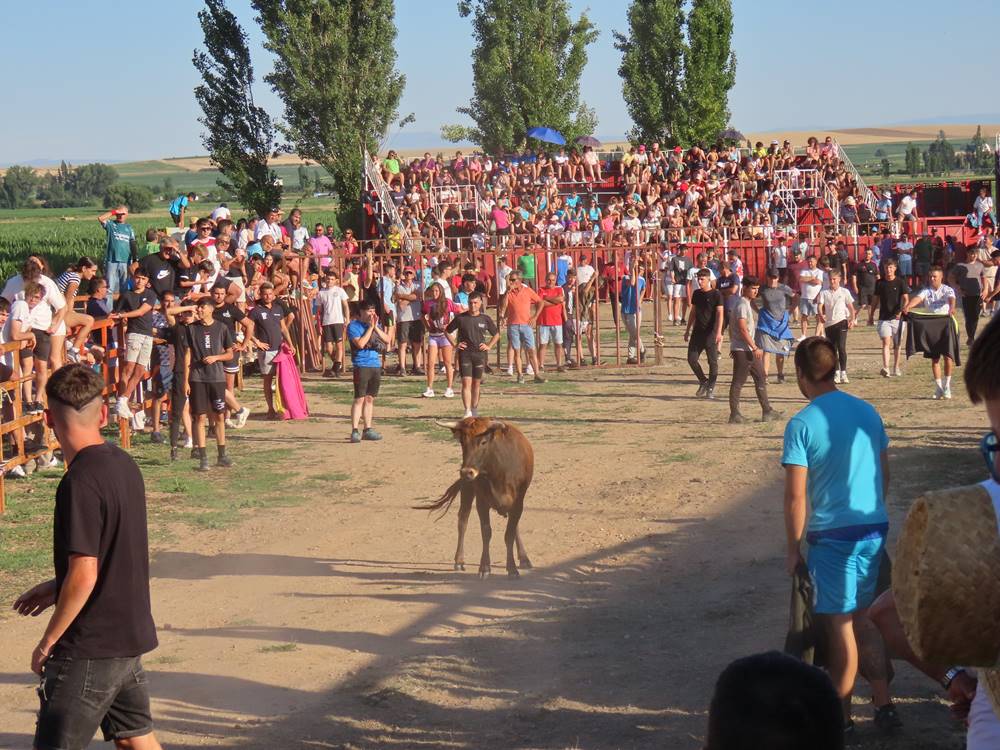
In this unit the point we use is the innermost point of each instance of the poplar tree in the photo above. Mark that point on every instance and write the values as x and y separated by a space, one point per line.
526 69
709 69
335 71
239 135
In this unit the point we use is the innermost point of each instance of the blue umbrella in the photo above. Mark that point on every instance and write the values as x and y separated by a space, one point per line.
547 134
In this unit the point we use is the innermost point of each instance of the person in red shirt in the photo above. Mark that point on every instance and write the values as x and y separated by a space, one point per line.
550 320
517 307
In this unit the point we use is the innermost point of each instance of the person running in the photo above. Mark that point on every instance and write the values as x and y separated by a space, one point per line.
705 321
516 309
838 316
835 457
269 330
438 311
474 334
811 283
137 308
892 294
334 312
368 343
938 299
747 356
209 344
89 657
774 333
550 320
230 314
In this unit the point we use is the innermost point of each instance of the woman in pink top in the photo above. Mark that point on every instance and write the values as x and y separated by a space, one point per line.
438 311
501 220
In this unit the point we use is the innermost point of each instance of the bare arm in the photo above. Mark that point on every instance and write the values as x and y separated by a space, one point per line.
76 590
795 513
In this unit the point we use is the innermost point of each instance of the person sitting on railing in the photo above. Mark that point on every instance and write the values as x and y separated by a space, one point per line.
849 211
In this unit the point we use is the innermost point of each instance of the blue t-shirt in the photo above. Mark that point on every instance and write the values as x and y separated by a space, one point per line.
629 297
562 270
572 201
181 201
840 439
362 357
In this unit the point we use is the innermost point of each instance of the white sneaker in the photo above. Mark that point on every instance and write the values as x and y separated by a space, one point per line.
230 423
241 417
529 371
47 463
475 412
843 377
139 421
897 372
946 393
836 377
468 413
123 410
429 393
449 393
884 372
189 443
938 392
510 370
18 472
800 339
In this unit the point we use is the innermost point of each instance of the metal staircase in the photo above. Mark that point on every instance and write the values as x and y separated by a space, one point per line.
866 194
384 207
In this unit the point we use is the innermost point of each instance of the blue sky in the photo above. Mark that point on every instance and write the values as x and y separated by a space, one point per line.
113 80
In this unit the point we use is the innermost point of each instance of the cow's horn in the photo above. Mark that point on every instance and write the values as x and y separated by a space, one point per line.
449 425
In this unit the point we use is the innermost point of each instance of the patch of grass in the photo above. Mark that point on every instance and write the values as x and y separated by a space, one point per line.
418 426
164 660
278 648
674 458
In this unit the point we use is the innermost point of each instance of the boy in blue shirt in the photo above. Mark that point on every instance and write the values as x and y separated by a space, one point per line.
178 207
368 342
835 454
633 286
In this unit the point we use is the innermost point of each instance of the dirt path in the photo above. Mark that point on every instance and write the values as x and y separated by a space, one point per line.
656 533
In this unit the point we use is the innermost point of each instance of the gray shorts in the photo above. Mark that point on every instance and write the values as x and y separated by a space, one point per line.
551 333
265 360
809 307
138 349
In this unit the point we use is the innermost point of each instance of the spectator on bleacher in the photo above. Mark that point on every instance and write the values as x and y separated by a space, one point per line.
270 227
906 211
121 247
983 208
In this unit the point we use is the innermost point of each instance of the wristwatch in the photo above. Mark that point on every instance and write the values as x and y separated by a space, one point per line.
950 675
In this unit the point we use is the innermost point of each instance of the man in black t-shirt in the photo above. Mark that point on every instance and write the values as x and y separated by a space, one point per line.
162 267
864 278
892 294
232 316
268 317
473 334
90 655
179 319
137 308
209 344
680 264
704 332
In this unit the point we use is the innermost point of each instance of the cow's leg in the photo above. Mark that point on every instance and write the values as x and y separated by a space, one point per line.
509 536
483 508
464 510
522 553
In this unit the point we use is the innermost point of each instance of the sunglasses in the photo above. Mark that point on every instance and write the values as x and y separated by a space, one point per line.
989 446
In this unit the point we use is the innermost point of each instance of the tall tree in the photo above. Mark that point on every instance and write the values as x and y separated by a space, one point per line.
89 181
526 70
912 159
655 44
239 135
709 69
335 71
19 186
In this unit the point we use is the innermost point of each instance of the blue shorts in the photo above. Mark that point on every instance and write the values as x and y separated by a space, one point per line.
521 335
844 574
905 263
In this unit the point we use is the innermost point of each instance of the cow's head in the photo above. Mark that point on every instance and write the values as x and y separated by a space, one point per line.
476 434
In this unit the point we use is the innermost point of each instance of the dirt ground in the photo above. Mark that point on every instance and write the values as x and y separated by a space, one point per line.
656 534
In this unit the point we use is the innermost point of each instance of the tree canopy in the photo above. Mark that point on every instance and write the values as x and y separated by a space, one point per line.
526 69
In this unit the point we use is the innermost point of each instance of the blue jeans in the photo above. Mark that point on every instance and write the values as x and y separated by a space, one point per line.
520 335
117 275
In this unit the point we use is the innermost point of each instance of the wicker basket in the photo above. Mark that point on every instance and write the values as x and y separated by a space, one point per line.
946 578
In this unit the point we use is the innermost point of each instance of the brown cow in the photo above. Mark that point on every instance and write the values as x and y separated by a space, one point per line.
497 464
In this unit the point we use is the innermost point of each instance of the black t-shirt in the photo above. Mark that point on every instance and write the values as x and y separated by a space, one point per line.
680 265
229 314
473 329
726 282
705 304
129 301
207 340
162 273
865 274
267 324
177 336
101 512
836 262
890 295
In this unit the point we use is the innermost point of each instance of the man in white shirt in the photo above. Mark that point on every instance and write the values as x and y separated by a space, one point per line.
838 315
334 314
779 258
221 212
907 209
692 275
269 225
811 280
937 299
984 207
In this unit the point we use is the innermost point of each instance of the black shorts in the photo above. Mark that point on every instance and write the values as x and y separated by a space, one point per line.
43 346
79 695
410 330
367 381
472 364
333 333
207 398
176 218
865 296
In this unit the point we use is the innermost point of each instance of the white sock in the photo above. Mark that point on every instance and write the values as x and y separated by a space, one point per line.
947 382
938 382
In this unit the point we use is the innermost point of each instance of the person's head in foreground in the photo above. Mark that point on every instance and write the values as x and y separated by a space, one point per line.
76 406
982 381
773 701
815 365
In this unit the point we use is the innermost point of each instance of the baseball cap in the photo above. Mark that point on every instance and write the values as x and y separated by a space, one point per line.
678 149
409 269
642 147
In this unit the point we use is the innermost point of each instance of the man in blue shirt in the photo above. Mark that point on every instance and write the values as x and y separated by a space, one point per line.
633 286
368 343
835 454
121 249
178 207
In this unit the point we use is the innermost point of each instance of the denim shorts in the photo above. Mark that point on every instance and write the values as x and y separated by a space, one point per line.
551 333
521 335
79 695
844 574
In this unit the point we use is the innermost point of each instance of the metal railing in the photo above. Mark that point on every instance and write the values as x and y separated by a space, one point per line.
865 193
386 214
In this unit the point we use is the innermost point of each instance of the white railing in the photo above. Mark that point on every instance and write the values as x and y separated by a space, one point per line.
864 192
786 197
386 213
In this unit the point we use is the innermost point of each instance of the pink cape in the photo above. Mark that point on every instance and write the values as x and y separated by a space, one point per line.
289 385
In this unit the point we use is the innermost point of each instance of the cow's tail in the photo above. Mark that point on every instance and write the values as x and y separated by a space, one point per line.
444 502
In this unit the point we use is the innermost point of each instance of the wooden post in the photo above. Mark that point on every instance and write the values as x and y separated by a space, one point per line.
657 313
